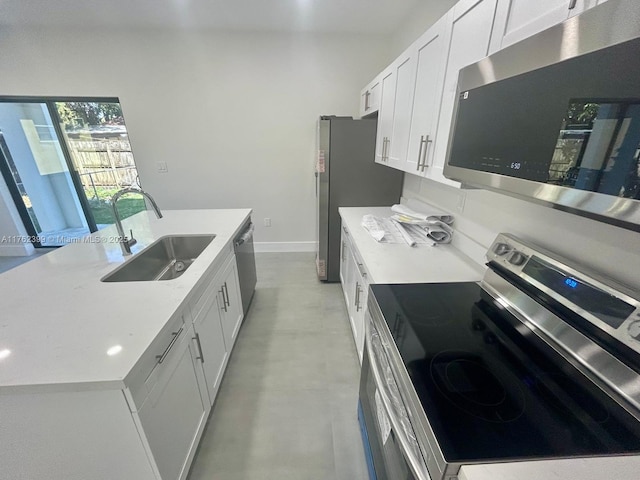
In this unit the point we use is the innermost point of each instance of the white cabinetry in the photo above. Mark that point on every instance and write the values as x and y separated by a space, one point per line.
430 55
418 90
370 98
174 413
472 22
230 303
217 316
355 286
385 114
519 19
405 73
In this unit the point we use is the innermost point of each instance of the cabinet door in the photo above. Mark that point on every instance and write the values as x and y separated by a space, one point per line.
469 42
360 305
583 5
174 413
370 98
520 19
385 114
405 73
229 303
431 57
209 341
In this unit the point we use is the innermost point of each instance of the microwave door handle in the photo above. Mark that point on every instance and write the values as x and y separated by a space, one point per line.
417 464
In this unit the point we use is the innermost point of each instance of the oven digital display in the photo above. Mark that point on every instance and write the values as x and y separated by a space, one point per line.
611 310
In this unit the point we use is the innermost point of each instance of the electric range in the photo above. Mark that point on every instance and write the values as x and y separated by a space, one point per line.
540 360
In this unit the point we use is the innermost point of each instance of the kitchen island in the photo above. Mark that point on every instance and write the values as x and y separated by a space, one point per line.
115 379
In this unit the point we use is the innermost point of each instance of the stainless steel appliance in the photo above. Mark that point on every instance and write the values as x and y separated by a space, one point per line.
246 261
556 117
346 176
539 360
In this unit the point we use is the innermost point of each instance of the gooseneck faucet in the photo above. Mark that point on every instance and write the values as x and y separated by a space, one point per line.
127 242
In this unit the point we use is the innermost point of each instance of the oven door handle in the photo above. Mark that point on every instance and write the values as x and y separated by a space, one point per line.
401 427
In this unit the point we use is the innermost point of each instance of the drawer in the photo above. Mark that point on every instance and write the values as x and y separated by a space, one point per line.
141 380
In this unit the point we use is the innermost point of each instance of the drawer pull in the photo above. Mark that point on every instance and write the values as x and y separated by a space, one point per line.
162 357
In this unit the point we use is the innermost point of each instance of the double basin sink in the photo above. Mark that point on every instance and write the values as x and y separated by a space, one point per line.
165 259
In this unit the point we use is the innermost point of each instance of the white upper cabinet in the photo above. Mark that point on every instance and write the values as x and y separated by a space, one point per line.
405 73
519 19
430 56
471 29
370 98
385 114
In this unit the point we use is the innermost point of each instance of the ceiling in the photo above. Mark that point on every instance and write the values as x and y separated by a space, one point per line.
353 16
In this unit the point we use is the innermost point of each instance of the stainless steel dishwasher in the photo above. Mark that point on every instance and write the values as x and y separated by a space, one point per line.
246 261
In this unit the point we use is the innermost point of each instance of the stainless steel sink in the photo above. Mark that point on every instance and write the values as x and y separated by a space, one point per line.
165 259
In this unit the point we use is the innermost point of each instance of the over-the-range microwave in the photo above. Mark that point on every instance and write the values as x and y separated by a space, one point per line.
556 118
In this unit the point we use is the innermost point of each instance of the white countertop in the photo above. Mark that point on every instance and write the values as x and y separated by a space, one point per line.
400 263
598 468
58 319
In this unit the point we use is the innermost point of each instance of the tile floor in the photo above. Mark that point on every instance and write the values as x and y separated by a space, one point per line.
287 406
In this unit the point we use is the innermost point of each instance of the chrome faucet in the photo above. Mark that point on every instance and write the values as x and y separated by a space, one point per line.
127 242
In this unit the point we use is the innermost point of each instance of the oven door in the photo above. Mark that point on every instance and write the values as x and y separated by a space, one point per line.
392 442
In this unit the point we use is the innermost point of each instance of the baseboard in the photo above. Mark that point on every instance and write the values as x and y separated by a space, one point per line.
265 247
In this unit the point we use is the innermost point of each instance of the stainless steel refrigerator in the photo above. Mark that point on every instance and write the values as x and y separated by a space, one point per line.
347 176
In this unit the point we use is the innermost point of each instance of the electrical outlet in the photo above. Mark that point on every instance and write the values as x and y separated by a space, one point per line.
162 167
267 222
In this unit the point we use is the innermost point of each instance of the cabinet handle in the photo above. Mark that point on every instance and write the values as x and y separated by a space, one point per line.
346 232
197 339
226 291
224 302
342 255
171 344
572 4
418 165
361 270
424 153
358 297
387 151
366 100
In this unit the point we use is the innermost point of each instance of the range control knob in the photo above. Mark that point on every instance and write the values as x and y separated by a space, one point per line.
501 249
517 258
634 329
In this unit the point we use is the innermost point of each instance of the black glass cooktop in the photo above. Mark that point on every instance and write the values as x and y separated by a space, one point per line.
491 389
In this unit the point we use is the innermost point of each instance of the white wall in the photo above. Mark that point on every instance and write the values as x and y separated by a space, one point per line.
608 250
232 114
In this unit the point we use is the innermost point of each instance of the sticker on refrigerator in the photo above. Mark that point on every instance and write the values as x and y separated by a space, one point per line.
383 420
320 163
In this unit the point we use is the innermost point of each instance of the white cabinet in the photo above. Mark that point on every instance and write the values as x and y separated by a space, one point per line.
519 19
394 114
418 90
209 340
405 73
472 22
370 98
174 413
385 114
355 286
229 303
217 316
430 56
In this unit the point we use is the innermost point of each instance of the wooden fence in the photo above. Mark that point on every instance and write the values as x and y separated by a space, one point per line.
104 162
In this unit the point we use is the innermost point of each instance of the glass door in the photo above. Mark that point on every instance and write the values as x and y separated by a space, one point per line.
63 161
36 169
